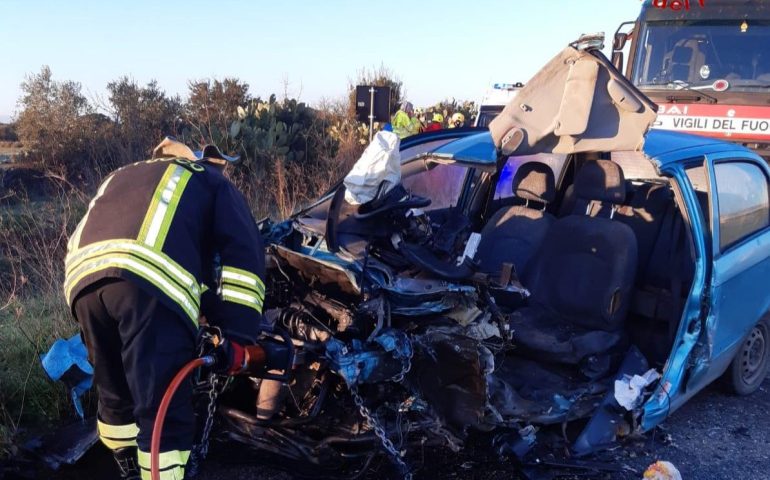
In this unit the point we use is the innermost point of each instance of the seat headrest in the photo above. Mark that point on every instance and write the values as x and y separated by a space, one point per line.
653 198
534 181
682 54
601 180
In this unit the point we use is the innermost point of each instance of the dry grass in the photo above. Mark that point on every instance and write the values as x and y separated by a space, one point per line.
287 187
33 237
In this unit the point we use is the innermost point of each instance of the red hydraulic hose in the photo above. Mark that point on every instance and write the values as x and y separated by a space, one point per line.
157 428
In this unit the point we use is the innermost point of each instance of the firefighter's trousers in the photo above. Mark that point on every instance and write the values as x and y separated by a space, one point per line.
136 345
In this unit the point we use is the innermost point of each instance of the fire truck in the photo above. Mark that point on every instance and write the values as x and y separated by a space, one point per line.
706 63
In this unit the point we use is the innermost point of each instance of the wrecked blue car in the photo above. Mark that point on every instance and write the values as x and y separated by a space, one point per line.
564 279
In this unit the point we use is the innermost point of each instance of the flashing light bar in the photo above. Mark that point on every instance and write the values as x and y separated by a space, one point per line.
507 86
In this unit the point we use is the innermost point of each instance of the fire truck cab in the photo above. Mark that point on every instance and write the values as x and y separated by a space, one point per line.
706 63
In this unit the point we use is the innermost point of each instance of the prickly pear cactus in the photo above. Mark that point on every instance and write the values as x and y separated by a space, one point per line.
268 130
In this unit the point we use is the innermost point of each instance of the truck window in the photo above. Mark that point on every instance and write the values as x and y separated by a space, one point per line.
699 53
487 114
744 205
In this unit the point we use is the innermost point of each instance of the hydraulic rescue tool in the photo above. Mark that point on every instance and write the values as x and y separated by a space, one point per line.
272 352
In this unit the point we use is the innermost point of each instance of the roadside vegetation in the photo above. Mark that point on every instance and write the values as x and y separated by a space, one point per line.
62 144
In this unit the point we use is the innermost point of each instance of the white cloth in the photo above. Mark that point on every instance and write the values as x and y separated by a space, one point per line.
380 162
629 389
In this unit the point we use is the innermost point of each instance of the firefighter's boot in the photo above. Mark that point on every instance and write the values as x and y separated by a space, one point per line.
127 465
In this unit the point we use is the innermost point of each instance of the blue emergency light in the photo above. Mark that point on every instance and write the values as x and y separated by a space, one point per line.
507 86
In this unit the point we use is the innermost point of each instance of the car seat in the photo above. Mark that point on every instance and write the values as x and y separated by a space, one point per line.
582 277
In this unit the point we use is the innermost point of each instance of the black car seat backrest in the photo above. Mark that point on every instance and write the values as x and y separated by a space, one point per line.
514 233
599 187
644 211
567 205
586 267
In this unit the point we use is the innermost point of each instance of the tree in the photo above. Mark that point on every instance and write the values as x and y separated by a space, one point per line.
211 108
143 116
51 122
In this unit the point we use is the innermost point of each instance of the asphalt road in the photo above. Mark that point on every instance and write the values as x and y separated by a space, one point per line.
714 436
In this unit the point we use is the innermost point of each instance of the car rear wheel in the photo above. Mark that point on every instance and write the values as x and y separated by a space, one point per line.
749 367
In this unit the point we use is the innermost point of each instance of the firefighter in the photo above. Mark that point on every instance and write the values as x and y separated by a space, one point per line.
404 122
436 123
457 120
163 242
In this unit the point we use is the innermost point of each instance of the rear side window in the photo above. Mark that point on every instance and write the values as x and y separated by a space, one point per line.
700 184
744 204
635 165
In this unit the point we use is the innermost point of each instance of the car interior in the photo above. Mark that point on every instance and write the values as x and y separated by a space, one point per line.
598 243
607 260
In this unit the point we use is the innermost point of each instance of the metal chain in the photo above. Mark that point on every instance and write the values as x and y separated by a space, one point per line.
405 367
387 444
379 431
201 450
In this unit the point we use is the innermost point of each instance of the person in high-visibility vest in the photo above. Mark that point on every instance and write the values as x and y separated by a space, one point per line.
163 242
457 120
404 122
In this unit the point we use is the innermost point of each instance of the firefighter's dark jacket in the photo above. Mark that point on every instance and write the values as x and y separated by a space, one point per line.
182 231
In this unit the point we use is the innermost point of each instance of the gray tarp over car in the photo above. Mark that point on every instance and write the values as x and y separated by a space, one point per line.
578 102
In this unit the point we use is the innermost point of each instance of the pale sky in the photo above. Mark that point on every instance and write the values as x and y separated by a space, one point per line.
440 49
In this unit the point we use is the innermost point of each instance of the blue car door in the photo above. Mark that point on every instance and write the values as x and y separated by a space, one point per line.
740 225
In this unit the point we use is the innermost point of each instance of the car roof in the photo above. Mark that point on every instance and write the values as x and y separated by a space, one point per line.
665 147
476 149
662 147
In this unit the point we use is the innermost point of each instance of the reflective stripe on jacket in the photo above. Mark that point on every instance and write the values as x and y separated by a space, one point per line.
172 226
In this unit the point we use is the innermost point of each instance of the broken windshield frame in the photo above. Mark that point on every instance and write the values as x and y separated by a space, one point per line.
697 53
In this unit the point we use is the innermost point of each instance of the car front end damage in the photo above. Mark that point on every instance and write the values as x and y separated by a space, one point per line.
389 362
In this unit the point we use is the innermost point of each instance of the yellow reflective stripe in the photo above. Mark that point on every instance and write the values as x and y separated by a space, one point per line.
75 239
248 288
170 464
144 270
150 273
113 444
117 436
74 274
155 202
232 294
166 209
157 258
240 276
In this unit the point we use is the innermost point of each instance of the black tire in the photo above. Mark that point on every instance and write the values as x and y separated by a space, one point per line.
749 367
